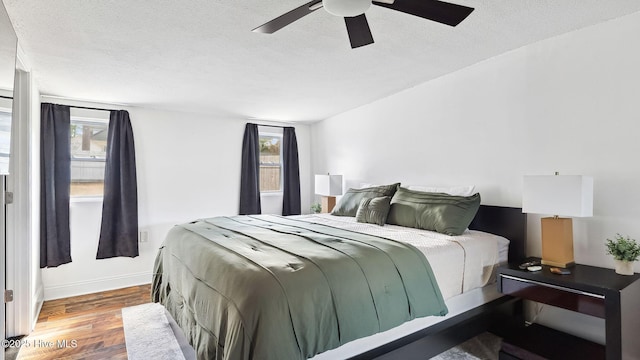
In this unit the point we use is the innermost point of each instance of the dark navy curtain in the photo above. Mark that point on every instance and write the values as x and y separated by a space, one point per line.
55 180
250 172
291 173
119 228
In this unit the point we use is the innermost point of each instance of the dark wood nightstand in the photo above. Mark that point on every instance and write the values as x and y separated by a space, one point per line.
589 290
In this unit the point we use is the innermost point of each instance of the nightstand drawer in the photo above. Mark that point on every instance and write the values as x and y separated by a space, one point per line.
570 299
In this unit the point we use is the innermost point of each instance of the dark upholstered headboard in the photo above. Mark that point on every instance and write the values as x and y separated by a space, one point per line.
507 222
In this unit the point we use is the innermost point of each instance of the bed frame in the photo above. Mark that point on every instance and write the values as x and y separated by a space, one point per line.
508 222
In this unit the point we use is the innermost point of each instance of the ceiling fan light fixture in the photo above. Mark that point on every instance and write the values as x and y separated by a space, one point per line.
346 8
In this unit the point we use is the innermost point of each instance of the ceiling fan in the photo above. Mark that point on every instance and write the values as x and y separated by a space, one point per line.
357 25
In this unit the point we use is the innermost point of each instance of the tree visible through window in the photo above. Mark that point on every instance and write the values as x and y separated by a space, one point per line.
88 156
270 162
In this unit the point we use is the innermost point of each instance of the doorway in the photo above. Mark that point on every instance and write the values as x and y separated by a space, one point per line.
22 220
6 103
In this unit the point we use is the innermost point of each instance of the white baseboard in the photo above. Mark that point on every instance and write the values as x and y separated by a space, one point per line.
95 285
38 299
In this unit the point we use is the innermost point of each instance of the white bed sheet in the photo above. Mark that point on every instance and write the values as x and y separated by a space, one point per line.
459 263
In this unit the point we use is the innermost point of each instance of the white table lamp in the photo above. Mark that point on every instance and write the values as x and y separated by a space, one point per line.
558 195
328 186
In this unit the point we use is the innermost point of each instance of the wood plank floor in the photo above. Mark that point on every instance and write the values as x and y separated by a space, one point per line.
90 324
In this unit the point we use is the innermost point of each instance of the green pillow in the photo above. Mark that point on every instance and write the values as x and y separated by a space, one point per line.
446 214
349 203
374 210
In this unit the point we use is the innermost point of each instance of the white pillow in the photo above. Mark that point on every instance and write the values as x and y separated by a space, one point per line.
451 190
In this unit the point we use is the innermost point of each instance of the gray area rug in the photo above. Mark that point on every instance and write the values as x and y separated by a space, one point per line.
148 334
483 347
11 353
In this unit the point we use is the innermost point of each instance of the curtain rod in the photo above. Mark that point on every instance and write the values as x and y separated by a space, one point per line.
89 108
275 126
65 99
6 97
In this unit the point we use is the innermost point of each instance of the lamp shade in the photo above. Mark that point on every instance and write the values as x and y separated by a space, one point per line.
562 195
329 185
346 8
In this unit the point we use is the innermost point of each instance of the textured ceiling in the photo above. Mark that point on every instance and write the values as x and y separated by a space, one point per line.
200 55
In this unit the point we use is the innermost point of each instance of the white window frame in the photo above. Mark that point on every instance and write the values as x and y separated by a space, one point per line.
281 137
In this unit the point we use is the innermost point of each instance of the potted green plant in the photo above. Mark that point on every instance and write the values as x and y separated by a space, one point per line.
625 251
316 208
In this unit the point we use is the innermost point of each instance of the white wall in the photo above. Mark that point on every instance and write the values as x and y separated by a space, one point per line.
568 104
188 167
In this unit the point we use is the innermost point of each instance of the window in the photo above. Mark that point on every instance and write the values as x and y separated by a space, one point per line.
270 162
5 138
88 156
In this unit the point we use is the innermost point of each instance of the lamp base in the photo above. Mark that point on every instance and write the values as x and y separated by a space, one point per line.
557 242
328 202
558 264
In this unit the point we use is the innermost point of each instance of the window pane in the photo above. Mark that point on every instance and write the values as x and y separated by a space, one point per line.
88 156
5 138
269 178
270 168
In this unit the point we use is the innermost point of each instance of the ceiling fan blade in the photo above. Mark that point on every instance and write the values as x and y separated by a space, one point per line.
286 19
439 11
358 30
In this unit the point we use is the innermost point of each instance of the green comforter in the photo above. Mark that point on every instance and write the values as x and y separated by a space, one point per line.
269 287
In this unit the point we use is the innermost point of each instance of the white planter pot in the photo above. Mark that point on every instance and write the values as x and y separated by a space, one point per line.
624 267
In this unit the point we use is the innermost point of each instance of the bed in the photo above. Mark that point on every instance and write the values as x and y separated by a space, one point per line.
314 332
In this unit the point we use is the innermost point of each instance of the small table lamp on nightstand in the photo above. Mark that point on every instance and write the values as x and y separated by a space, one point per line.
328 186
560 195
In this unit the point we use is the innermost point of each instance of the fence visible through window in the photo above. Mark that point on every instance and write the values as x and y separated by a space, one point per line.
269 174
